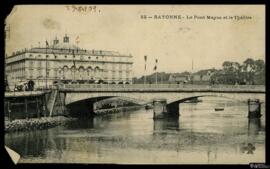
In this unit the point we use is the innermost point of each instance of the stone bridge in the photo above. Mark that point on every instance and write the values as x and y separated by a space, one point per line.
81 97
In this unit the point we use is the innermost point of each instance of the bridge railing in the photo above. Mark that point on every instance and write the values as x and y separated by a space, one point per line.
141 87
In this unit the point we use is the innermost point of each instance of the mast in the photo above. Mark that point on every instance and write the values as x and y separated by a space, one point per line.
46 66
192 66
192 71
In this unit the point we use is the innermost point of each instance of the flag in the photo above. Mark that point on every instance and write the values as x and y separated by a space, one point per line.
47 44
77 39
155 68
145 58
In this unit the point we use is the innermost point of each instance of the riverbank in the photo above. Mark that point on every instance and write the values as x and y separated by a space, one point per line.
35 123
117 110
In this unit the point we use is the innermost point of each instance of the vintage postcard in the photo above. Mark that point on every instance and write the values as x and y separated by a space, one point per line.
135 84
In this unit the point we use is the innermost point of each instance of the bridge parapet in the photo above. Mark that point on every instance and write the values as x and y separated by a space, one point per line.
162 88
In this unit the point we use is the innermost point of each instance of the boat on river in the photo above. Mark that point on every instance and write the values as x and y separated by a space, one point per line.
219 109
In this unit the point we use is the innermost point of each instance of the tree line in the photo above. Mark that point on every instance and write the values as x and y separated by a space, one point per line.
249 72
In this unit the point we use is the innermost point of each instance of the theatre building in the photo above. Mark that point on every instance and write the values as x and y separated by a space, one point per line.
63 61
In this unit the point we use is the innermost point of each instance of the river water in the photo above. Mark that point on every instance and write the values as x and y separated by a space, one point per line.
201 135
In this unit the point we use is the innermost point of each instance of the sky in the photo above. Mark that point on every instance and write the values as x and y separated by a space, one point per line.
174 42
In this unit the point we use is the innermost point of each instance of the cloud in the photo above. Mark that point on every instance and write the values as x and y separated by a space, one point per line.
50 24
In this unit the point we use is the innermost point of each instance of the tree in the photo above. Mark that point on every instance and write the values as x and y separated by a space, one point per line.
259 74
227 66
259 65
231 74
249 69
249 65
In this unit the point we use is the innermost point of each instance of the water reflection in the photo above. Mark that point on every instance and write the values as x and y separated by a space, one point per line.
199 135
82 123
97 122
166 124
254 126
35 143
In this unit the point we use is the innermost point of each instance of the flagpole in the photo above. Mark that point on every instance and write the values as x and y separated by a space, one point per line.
74 65
144 74
46 67
156 77
192 72
161 78
144 78
145 59
156 70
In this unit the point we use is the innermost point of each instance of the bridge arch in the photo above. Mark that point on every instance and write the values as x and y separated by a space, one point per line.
173 106
85 107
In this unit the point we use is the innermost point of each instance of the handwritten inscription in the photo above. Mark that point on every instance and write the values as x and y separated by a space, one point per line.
82 9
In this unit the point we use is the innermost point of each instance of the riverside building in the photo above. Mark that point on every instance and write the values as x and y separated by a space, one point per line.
65 62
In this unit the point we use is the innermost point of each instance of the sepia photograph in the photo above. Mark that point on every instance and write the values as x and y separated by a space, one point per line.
135 84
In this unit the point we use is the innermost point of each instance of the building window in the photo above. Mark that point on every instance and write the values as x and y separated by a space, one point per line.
55 56
89 57
65 56
96 57
47 56
30 55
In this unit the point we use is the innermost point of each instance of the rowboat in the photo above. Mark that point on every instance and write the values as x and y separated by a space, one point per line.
219 109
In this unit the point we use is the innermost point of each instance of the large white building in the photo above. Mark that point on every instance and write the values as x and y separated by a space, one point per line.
66 62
